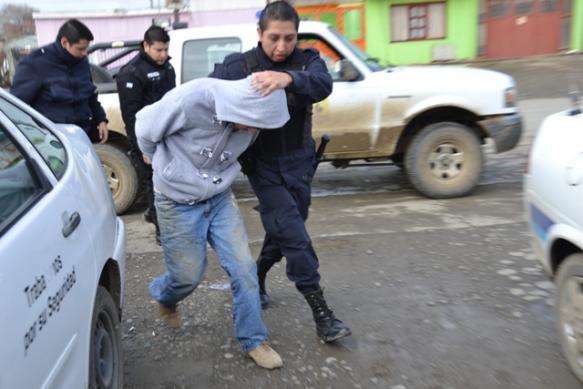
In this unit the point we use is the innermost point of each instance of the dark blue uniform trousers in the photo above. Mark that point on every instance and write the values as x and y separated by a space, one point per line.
283 186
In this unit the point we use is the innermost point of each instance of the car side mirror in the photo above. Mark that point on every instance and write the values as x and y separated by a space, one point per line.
347 71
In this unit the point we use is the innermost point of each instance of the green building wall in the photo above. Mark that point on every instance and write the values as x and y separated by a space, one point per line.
461 33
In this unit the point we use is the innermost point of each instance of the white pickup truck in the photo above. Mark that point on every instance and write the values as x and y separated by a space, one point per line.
430 120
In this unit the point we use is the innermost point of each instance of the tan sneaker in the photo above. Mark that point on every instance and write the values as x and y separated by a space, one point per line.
170 316
266 357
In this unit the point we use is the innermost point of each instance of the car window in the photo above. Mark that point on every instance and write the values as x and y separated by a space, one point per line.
200 56
327 53
18 188
46 143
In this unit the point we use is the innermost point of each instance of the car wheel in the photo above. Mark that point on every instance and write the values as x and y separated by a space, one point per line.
121 176
105 359
570 311
444 160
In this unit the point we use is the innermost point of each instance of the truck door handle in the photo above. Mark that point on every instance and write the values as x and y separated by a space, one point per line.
71 224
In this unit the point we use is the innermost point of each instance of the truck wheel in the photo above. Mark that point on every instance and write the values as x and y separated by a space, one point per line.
121 175
398 160
569 311
444 160
105 358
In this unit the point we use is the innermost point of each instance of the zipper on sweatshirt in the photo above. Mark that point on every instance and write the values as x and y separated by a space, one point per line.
213 154
216 150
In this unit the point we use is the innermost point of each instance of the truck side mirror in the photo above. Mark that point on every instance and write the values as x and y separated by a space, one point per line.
347 71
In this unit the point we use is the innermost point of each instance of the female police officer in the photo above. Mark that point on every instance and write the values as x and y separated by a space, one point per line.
280 164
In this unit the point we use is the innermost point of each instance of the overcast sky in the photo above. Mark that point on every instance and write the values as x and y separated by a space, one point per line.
80 5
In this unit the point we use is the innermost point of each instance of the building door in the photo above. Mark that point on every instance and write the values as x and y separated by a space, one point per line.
518 28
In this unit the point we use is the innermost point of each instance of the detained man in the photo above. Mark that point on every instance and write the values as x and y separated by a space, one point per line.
192 137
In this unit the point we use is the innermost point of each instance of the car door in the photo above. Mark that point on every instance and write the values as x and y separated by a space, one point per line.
350 114
573 173
47 270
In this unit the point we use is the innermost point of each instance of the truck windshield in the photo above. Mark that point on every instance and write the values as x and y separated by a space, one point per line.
371 63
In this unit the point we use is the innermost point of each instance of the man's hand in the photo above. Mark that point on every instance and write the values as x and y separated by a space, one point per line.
146 159
268 81
103 132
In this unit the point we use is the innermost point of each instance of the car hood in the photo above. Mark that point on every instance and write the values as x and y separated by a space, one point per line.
477 90
455 77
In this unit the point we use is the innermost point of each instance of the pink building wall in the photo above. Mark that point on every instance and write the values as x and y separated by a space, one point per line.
131 26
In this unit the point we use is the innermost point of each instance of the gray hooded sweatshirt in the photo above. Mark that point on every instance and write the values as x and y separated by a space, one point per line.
190 138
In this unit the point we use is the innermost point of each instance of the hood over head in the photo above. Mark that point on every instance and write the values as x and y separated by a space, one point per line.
237 102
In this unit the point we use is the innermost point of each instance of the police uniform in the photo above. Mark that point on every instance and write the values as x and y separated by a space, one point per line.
280 166
142 82
59 86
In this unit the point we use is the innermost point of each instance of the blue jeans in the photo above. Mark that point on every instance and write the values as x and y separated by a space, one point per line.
184 232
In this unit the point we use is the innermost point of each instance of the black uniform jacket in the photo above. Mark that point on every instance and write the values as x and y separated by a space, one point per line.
142 82
59 86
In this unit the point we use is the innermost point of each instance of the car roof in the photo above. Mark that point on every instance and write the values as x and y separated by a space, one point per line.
244 30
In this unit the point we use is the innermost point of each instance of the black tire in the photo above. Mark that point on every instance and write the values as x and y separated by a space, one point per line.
121 175
106 356
444 160
398 160
569 311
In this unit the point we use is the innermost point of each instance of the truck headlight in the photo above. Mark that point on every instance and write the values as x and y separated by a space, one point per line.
510 97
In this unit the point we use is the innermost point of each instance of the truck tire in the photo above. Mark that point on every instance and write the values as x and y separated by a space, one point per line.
569 311
398 161
121 176
105 358
444 160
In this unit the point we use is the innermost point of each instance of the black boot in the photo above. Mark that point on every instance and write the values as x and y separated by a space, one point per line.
328 327
262 269
151 217
158 242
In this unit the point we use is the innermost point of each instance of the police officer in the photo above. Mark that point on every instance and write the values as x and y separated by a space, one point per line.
143 81
280 164
56 81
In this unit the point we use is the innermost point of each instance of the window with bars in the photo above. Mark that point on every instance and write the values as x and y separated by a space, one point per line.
412 22
497 8
523 7
549 6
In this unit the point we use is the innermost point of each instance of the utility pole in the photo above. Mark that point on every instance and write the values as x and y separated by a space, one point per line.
176 5
176 15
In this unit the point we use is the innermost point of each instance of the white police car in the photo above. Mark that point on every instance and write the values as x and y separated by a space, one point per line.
61 257
554 202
